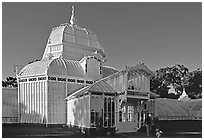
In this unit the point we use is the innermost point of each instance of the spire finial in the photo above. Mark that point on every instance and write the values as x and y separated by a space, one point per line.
72 20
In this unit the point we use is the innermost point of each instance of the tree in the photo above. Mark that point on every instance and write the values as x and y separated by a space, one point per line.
10 82
158 87
34 61
180 78
176 76
194 88
4 83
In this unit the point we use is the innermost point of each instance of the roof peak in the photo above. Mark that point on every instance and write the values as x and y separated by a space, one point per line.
107 66
73 18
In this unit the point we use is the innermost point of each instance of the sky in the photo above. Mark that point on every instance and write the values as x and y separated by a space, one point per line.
158 34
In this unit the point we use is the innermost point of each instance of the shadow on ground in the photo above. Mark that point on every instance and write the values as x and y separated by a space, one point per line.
40 131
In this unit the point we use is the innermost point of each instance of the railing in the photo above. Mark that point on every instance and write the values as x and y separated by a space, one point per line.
9 119
180 118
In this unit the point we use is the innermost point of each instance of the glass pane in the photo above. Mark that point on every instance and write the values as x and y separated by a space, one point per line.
113 119
113 106
124 113
105 105
109 119
142 116
105 112
109 104
92 119
120 116
97 119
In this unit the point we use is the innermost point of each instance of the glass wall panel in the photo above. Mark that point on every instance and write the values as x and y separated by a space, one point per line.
130 113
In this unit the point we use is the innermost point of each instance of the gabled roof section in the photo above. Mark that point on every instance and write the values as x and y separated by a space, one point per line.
107 70
93 55
142 68
100 87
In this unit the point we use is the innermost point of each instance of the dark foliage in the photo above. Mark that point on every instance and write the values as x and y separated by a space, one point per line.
10 82
33 61
179 77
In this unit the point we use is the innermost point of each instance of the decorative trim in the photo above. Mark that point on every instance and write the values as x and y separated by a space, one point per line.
71 80
42 78
61 79
32 79
89 82
58 79
96 93
23 80
52 78
80 81
137 93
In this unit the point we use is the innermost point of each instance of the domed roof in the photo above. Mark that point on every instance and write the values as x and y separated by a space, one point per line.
170 108
35 68
59 66
72 41
74 31
174 109
73 37
196 107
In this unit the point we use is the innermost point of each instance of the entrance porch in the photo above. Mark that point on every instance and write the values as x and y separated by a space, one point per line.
132 111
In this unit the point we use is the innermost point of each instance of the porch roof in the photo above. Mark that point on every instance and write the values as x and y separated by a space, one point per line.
142 93
153 95
100 86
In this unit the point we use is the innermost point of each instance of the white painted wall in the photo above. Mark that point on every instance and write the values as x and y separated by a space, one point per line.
134 124
140 82
78 112
118 82
83 63
33 102
56 103
93 69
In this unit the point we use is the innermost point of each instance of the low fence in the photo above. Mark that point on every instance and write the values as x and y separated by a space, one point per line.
9 105
181 125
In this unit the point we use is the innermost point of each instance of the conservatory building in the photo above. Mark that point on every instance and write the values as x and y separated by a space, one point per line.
71 85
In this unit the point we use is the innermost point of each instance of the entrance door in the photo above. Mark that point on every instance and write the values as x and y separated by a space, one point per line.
140 116
131 116
138 120
126 122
